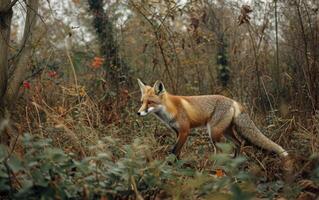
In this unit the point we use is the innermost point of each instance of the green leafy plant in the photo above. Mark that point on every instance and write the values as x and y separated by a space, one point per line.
47 172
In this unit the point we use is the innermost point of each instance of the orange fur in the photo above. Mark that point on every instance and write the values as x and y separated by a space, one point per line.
222 116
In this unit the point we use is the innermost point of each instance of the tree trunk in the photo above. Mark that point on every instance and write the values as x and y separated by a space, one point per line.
276 71
9 88
5 26
117 70
20 64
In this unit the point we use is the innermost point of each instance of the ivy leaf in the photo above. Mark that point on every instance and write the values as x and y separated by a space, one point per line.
15 164
239 194
4 185
39 178
57 155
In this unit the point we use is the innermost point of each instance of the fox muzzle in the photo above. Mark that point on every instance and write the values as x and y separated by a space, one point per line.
145 112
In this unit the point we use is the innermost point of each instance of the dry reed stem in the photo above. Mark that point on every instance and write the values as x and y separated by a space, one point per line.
75 140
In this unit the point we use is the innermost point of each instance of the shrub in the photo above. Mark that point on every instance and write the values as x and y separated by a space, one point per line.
47 172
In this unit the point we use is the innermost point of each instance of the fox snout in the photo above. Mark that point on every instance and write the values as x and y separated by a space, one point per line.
143 112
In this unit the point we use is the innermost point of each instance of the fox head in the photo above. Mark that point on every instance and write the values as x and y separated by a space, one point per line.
152 97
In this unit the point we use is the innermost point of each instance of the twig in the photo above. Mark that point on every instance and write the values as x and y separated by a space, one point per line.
155 31
277 71
39 120
137 193
9 176
75 140
73 69
306 56
255 50
14 145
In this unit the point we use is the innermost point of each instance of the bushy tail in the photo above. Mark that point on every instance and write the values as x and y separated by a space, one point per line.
246 127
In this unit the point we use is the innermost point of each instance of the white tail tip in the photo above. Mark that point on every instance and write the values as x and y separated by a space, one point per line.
284 154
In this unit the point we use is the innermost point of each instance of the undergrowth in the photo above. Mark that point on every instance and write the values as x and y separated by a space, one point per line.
119 171
73 151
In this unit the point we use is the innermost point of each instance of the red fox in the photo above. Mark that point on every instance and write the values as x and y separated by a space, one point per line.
221 115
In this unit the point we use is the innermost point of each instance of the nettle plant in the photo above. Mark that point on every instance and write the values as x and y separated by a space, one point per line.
47 172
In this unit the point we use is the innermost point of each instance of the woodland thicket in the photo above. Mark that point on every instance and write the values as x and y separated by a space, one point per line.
69 96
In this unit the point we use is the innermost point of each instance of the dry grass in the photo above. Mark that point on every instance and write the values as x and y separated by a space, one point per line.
77 123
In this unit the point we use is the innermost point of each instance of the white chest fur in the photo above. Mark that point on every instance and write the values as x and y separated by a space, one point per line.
166 117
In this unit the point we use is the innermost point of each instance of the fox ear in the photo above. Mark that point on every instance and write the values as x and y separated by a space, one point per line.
141 84
159 88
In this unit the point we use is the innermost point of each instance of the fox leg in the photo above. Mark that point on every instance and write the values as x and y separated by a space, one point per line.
230 134
181 139
218 125
212 142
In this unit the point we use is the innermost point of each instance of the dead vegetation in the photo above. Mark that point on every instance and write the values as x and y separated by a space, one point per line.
78 101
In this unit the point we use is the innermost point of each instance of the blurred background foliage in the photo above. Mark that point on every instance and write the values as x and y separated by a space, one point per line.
68 97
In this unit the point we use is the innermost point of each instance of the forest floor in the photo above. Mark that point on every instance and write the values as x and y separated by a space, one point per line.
72 146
